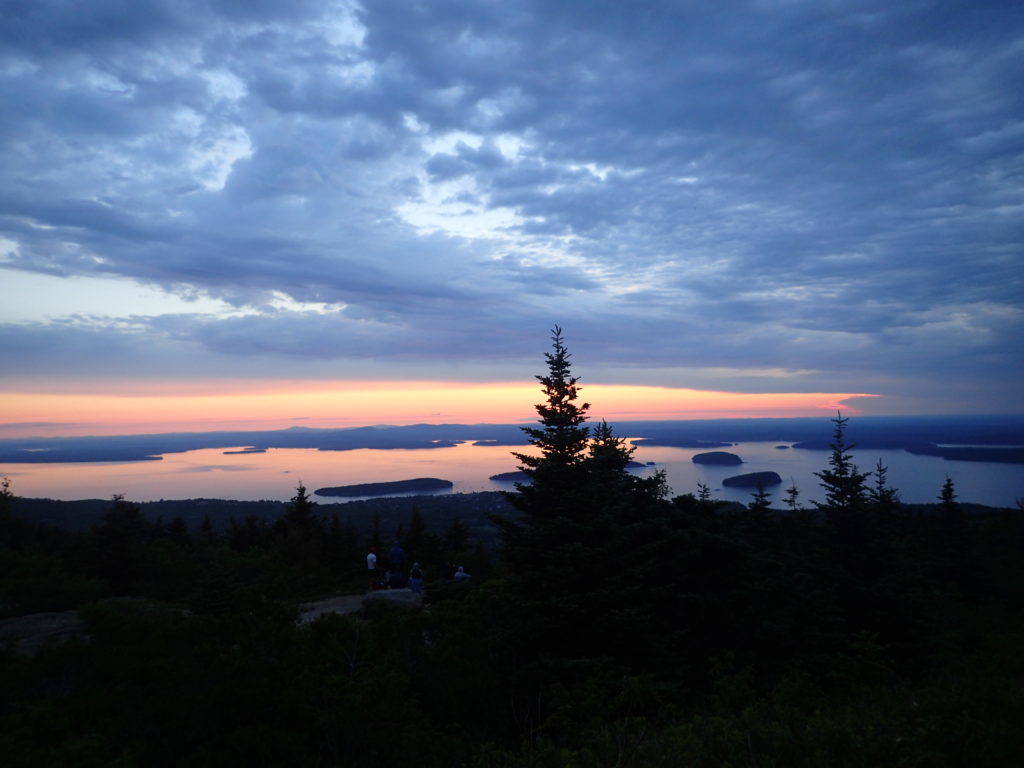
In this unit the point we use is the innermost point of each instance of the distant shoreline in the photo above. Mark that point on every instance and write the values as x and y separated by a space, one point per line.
997 439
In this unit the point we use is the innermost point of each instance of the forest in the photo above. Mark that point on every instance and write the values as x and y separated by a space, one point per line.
606 624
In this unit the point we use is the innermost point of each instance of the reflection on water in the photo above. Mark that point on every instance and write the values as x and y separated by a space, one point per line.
227 474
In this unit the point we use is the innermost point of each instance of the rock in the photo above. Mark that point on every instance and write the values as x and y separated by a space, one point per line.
723 458
341 604
400 598
752 480
27 634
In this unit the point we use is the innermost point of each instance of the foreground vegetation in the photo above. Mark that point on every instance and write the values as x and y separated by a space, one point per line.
613 626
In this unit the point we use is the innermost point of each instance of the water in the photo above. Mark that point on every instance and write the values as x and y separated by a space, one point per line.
210 473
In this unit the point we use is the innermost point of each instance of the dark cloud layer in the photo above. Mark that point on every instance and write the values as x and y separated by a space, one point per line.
751 194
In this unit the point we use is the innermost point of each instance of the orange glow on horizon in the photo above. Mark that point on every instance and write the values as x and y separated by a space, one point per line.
353 404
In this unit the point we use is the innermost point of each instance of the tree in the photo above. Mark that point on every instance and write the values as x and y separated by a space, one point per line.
299 514
884 497
562 440
584 515
456 538
792 495
703 492
5 495
948 497
762 500
845 489
120 538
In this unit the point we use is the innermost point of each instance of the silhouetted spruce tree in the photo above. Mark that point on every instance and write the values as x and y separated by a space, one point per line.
300 513
584 515
947 496
845 487
553 502
762 500
120 539
792 497
558 472
883 496
177 530
955 533
456 537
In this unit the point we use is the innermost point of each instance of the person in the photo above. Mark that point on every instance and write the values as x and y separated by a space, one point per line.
396 567
371 566
416 578
396 557
461 575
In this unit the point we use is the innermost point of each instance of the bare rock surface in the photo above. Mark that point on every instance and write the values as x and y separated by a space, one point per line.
402 598
340 604
28 634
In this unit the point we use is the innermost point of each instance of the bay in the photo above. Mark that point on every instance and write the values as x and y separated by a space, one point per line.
218 473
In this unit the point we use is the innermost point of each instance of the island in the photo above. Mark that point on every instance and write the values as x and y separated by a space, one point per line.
418 484
245 451
753 480
516 476
722 458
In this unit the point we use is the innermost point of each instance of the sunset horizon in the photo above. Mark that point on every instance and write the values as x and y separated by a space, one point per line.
357 404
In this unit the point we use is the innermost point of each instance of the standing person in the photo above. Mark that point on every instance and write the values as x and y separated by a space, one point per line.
371 566
396 557
396 567
416 578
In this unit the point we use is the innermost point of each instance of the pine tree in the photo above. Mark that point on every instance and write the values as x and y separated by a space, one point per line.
792 496
120 540
761 501
299 514
583 516
703 492
562 439
884 497
844 485
948 497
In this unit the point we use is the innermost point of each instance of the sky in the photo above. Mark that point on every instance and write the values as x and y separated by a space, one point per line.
231 212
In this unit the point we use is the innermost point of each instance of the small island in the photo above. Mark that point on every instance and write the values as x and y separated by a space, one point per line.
722 458
245 451
753 480
387 488
516 476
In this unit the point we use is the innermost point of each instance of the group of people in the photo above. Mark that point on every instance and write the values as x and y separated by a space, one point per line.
395 575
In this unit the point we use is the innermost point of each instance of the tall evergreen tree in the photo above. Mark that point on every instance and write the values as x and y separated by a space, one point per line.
562 439
948 497
584 514
299 514
792 496
762 500
883 497
845 486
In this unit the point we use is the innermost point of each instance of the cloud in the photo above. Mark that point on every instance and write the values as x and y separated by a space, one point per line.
830 189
